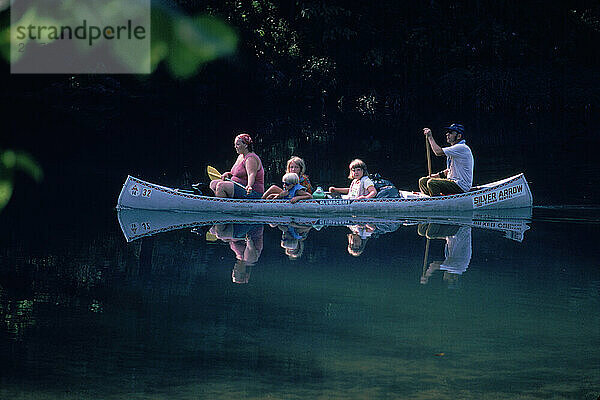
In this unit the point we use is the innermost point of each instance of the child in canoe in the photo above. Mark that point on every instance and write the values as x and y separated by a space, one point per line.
362 186
298 166
292 189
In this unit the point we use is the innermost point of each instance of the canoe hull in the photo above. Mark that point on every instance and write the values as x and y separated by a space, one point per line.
509 193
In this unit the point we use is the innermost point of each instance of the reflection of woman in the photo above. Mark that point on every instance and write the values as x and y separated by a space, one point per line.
247 171
246 241
297 166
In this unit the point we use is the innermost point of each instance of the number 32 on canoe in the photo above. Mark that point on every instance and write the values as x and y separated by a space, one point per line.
135 191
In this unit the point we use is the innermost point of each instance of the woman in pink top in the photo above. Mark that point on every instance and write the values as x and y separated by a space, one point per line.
247 171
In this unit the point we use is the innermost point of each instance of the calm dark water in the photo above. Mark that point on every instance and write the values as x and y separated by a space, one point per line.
86 315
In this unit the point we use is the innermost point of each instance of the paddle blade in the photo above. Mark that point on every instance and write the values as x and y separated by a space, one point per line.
211 237
213 173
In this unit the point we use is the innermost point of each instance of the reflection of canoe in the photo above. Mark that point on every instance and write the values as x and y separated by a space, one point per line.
136 224
508 193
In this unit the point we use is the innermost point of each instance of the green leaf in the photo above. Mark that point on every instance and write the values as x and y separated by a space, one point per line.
5 35
159 50
27 164
6 189
161 36
5 43
27 19
182 62
185 43
11 160
197 41
8 159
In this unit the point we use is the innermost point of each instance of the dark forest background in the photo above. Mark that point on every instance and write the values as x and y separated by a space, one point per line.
384 58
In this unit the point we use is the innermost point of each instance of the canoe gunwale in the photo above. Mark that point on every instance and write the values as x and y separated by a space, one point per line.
200 203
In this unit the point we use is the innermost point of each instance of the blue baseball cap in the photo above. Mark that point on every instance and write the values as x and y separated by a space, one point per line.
458 128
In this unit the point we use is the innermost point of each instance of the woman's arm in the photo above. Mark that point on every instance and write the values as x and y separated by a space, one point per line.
272 192
339 190
251 170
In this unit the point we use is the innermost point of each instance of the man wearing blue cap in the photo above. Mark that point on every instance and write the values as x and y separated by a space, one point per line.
458 176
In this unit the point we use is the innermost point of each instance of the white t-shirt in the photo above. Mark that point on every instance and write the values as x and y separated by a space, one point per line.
359 188
460 160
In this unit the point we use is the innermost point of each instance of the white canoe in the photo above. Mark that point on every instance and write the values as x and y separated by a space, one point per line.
137 224
508 193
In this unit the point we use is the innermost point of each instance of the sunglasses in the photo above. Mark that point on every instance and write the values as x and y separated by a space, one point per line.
286 184
357 169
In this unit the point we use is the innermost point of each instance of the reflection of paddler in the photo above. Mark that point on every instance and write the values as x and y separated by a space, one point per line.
246 241
437 231
241 272
457 250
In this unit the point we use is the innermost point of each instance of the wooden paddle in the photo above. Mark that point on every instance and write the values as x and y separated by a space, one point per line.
425 258
214 174
428 151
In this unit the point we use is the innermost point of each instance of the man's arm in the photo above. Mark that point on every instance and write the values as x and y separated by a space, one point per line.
437 150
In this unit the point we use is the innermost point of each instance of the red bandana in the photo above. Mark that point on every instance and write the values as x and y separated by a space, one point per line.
245 138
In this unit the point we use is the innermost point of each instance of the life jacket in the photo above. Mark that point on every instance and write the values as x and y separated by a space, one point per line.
292 191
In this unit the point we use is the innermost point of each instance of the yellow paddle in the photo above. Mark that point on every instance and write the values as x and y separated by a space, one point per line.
211 237
214 174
